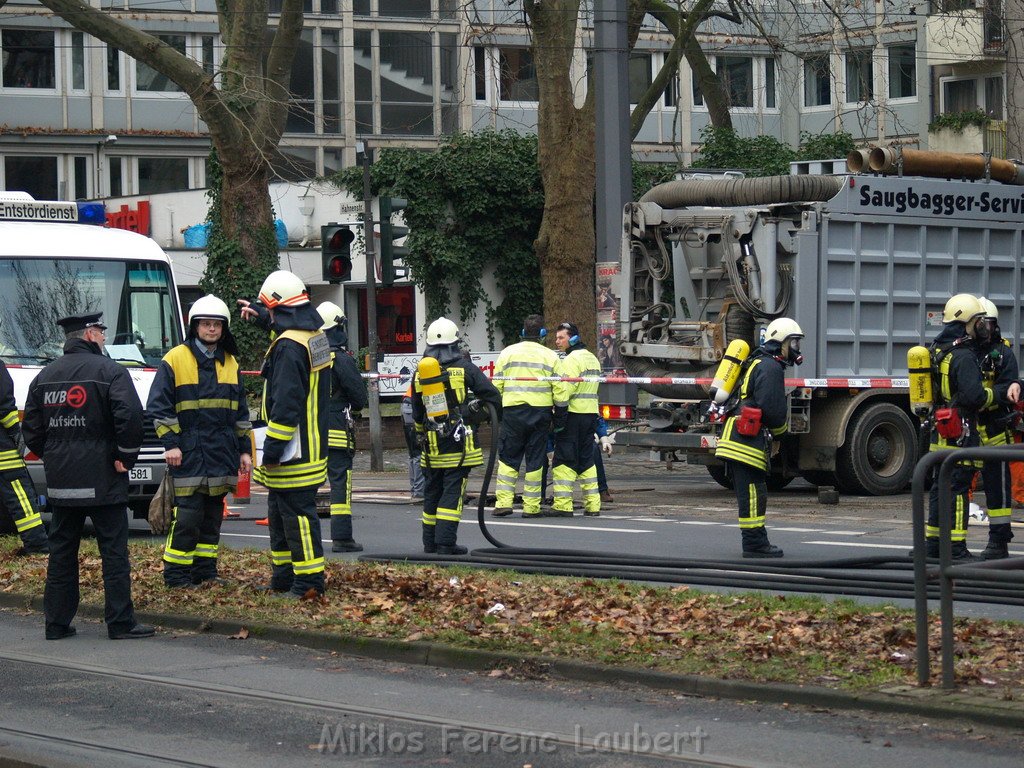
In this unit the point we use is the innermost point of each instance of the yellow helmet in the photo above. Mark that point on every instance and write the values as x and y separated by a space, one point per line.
961 308
991 310
331 314
283 288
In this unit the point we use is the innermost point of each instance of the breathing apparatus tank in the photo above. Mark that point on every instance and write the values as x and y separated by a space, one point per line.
432 387
728 372
919 363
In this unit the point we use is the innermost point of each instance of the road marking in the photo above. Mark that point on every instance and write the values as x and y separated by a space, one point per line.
860 544
799 530
701 522
532 524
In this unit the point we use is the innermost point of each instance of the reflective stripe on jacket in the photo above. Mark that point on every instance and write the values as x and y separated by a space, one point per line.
578 396
295 403
526 359
198 405
764 387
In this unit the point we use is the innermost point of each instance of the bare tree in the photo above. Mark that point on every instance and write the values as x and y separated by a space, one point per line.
245 111
565 245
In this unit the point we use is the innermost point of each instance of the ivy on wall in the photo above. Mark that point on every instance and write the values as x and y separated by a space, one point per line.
957 121
231 274
475 206
766 155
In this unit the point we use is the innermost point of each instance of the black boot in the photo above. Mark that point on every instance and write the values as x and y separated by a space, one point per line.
34 542
341 535
756 544
428 539
998 542
346 545
961 554
445 533
177 576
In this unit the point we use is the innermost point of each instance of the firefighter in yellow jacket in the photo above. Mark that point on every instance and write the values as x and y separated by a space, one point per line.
441 408
575 423
758 413
296 391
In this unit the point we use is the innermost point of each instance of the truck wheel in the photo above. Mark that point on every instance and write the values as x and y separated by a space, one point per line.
721 475
880 451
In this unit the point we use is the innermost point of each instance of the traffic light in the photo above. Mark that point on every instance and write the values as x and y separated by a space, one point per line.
388 234
336 252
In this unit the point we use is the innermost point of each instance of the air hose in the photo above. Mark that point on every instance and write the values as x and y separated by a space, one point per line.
807 576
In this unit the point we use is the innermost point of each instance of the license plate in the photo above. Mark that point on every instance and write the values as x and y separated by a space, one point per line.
140 474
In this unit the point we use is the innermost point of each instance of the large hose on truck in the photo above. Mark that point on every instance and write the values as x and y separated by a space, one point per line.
733 192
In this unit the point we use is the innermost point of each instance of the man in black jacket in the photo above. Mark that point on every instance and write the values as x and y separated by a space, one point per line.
348 396
759 414
84 419
961 393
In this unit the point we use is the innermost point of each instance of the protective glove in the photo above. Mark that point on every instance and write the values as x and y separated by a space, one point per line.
606 445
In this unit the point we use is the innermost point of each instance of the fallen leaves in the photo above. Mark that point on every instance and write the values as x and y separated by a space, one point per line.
750 636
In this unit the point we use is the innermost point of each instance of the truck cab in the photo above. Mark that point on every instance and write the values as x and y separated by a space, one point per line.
59 259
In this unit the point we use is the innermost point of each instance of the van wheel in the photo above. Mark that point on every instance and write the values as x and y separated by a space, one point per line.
721 475
880 451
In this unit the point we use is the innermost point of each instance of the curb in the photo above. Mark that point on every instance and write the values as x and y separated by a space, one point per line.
909 700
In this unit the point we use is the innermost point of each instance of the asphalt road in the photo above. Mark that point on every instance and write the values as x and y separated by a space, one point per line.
185 699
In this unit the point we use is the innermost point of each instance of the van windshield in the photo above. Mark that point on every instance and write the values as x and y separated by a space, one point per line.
134 297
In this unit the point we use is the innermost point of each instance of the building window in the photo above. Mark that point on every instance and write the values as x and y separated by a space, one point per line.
517 79
860 79
406 84
330 63
301 102
364 82
77 61
81 166
737 75
206 53
698 92
35 175
902 71
115 177
29 59
771 99
817 81
404 9
639 76
480 73
994 97
114 70
148 80
162 174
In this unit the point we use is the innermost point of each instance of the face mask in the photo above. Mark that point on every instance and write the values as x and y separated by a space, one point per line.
982 330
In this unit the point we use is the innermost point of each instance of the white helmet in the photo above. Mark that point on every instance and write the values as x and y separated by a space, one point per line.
210 308
781 329
442 331
331 314
990 309
961 308
282 288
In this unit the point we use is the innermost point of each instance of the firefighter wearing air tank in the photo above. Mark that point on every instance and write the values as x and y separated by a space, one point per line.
442 385
1001 373
17 492
198 407
348 397
960 393
296 390
757 413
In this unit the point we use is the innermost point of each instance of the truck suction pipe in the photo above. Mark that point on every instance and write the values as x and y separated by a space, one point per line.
765 190
917 162
857 161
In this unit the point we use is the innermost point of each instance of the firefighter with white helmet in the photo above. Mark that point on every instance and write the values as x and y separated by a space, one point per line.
296 391
1001 373
960 393
198 407
758 414
348 397
443 386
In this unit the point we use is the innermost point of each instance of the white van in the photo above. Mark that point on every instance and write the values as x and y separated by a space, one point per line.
59 259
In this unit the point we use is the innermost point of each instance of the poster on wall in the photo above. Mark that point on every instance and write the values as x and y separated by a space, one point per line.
607 316
403 366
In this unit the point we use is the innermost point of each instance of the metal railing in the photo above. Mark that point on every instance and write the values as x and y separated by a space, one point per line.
994 137
993 572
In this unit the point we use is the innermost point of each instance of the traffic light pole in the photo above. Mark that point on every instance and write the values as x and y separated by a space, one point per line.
376 437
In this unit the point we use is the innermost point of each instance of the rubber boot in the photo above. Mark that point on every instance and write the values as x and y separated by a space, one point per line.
204 570
445 533
34 542
341 535
177 576
960 552
428 539
998 542
931 551
756 544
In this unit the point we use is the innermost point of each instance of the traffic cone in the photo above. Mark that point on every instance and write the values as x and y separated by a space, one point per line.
227 513
243 491
263 521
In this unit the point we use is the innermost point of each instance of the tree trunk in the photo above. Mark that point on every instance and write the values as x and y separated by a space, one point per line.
245 195
566 241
